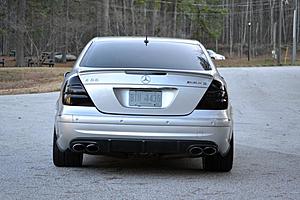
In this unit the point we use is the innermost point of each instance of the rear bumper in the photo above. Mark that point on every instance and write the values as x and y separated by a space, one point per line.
141 146
145 133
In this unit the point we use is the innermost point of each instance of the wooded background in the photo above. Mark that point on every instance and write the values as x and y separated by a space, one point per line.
34 26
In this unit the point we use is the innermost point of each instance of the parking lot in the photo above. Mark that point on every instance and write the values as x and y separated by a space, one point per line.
267 151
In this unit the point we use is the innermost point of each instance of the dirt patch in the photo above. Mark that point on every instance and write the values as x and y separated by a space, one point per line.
15 80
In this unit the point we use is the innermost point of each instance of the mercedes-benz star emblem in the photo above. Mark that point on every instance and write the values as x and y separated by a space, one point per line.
145 79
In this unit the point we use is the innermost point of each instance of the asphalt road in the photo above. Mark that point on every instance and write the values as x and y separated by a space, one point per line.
266 166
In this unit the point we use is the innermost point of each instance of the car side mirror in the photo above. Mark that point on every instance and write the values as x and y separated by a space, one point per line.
66 74
218 59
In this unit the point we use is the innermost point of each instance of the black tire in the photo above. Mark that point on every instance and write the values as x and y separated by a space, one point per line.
219 163
65 158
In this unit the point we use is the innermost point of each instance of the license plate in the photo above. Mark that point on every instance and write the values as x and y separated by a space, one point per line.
142 98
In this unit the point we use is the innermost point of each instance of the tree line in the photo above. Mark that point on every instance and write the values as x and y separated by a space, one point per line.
33 26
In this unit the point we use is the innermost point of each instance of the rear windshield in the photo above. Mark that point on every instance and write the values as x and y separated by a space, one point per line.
135 54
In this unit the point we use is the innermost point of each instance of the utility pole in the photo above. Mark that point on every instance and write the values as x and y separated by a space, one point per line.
249 40
294 55
280 33
2 48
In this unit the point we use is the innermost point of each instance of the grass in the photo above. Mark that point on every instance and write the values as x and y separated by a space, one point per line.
16 80
22 80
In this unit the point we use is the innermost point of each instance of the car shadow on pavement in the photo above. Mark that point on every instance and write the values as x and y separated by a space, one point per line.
150 166
142 162
248 160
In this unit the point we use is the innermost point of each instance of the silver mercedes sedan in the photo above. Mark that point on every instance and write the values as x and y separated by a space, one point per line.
134 96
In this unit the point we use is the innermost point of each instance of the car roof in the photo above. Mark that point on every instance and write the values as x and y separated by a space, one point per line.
156 39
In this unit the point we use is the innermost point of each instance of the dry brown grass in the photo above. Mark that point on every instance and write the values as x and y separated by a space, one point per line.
14 80
17 80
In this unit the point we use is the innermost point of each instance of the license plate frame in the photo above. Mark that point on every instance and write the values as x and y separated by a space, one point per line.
145 98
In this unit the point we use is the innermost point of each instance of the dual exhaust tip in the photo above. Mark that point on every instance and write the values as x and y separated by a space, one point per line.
90 148
200 151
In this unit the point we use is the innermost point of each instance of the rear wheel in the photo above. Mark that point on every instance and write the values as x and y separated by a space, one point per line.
218 162
65 158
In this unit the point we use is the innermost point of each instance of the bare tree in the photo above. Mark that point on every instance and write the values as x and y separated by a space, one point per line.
132 14
98 17
153 19
174 18
163 19
21 9
124 16
106 17
65 34
66 26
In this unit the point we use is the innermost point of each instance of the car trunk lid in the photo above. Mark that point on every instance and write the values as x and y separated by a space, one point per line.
145 92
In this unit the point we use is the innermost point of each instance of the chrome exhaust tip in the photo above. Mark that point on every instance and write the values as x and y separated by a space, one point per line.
78 147
195 151
210 151
92 148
